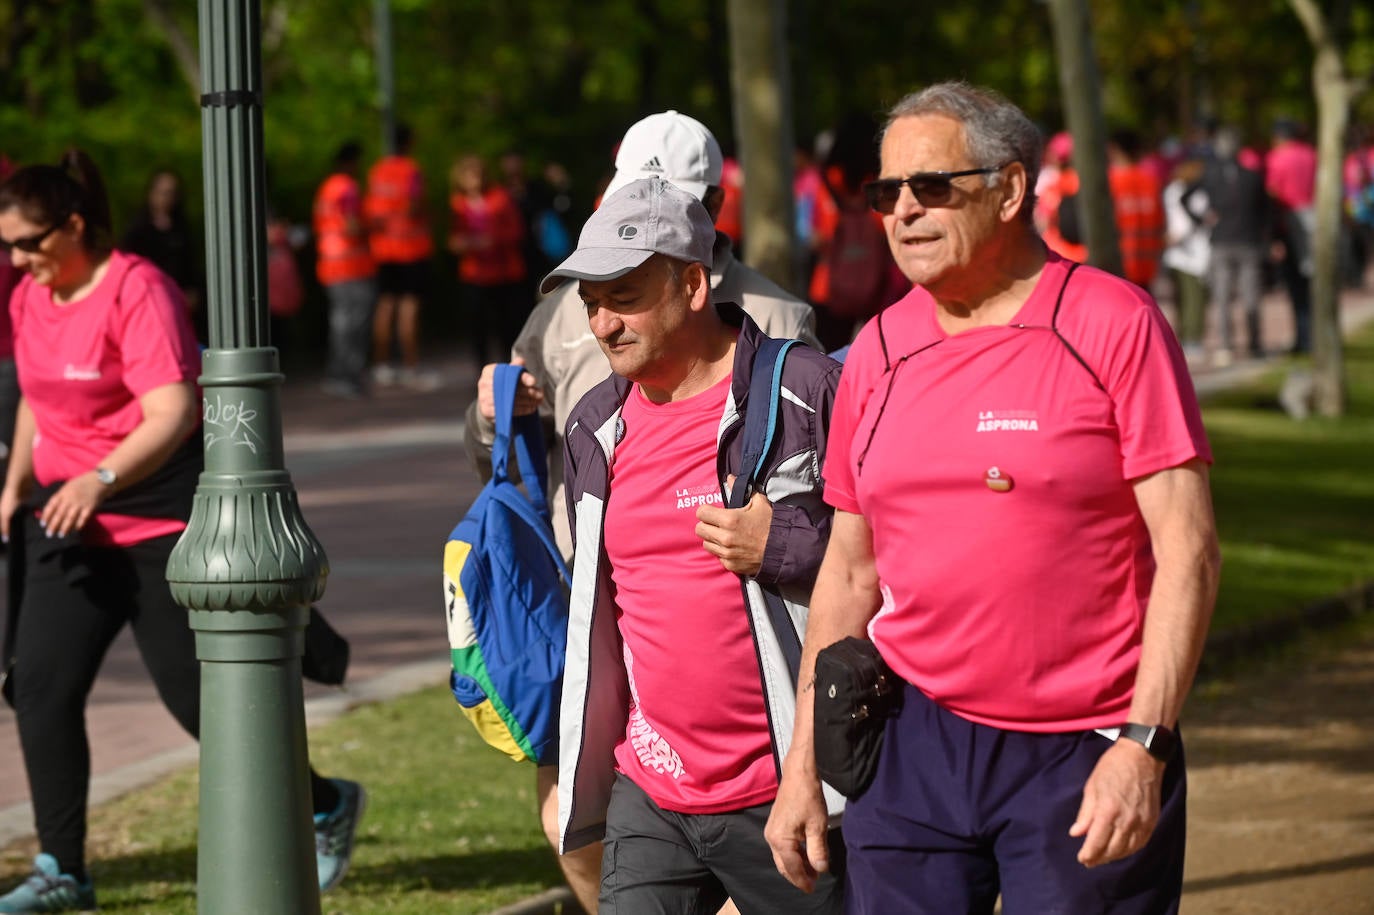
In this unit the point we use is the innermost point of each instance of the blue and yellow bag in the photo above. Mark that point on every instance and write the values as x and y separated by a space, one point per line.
506 595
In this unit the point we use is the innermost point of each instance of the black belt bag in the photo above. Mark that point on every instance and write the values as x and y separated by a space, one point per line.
856 692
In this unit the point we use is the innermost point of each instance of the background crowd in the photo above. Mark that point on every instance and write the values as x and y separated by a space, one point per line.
1207 219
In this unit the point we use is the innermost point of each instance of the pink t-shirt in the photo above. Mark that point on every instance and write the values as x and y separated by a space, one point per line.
697 740
1290 174
1014 562
83 366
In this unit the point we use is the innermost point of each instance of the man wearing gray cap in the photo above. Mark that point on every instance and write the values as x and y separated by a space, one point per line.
677 700
563 361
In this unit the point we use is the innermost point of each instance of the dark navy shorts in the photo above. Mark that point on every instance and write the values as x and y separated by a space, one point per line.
960 812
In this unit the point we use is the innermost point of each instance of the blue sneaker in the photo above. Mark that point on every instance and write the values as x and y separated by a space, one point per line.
49 890
334 833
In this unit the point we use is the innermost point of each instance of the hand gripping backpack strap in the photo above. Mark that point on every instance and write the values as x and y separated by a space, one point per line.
761 420
528 438
760 431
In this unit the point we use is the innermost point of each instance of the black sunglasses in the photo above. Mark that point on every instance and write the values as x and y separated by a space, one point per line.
931 189
32 244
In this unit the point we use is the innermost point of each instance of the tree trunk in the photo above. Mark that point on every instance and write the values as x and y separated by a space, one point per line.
762 102
1328 352
1079 85
1334 93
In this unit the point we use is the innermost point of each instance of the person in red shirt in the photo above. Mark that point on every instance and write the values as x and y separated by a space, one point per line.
488 236
398 233
1138 199
107 453
347 271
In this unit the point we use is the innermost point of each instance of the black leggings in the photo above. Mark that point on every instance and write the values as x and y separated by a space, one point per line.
63 634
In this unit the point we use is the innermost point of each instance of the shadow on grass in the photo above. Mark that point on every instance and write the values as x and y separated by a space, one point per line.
1309 704
455 872
172 872
130 869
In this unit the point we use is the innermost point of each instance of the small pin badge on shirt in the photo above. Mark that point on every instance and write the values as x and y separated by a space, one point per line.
997 480
619 429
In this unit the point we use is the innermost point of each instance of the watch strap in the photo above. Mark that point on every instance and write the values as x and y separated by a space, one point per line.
1158 741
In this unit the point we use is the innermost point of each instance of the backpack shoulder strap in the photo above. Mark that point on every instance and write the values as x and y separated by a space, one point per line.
761 418
525 433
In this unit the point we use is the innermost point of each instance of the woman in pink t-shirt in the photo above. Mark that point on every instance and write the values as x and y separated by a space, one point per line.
98 490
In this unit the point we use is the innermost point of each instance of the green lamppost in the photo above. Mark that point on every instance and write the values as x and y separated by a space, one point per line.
248 566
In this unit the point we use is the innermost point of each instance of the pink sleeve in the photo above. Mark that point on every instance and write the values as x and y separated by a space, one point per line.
837 472
157 345
1155 405
862 367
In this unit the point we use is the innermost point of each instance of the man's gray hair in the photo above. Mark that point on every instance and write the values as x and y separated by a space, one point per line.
995 131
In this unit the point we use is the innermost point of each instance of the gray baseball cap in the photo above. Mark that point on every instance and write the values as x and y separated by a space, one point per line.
648 216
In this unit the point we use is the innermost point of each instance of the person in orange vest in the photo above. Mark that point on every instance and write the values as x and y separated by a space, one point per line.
398 233
1059 182
346 270
1138 200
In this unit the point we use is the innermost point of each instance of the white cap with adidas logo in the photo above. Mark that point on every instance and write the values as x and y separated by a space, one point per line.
671 146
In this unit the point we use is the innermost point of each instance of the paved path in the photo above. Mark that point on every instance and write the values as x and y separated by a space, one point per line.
381 482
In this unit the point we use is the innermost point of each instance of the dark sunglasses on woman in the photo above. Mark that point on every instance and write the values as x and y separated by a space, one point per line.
31 244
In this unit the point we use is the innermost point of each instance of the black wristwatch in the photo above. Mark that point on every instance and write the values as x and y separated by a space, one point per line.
1158 741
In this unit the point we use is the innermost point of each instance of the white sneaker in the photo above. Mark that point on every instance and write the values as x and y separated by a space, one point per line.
383 375
420 380
1222 358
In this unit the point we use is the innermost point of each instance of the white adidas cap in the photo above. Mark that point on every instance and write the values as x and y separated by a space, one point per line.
670 146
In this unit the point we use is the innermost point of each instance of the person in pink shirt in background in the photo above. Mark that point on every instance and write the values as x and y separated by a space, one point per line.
1290 177
106 456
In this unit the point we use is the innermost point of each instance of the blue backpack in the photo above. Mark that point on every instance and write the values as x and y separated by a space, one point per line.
506 595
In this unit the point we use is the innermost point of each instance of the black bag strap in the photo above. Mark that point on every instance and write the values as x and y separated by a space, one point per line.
527 436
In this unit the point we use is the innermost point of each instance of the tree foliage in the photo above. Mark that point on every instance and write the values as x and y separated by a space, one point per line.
561 80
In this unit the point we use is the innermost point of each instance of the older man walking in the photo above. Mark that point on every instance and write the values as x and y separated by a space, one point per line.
1024 527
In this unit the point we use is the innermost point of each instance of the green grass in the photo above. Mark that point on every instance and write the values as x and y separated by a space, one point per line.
450 826
1294 500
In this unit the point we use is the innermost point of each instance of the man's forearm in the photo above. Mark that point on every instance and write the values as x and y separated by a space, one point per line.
1176 622
1178 511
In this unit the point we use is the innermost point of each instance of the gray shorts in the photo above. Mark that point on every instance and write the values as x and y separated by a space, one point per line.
658 862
